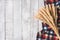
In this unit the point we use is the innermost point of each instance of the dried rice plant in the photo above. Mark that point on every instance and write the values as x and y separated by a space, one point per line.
48 15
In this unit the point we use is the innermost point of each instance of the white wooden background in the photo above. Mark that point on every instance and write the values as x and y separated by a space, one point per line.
16 19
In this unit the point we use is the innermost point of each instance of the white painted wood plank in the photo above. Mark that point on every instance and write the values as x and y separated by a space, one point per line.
34 22
9 20
2 32
32 19
40 4
17 20
26 19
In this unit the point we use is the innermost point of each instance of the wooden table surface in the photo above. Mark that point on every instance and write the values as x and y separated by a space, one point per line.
16 19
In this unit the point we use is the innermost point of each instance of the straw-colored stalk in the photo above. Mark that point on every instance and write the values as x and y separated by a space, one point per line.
56 16
50 7
53 10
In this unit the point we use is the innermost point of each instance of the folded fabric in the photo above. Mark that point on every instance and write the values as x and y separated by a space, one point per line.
46 33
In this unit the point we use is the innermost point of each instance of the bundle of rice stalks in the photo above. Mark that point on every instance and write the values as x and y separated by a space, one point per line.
48 15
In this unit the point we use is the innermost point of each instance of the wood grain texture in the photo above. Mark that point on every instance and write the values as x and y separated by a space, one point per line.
17 20
2 21
18 29
26 19
9 20
40 4
34 22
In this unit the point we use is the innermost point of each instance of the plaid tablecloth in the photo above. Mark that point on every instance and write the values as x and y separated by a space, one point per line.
47 33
